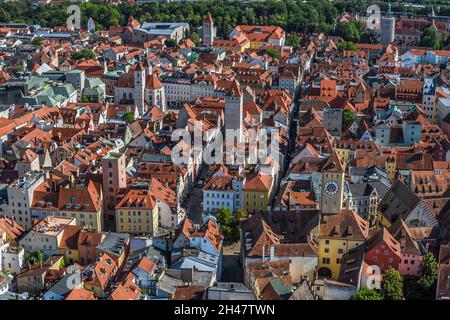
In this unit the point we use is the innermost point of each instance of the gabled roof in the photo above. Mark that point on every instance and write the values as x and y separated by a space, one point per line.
333 164
12 229
147 265
69 239
344 225
104 270
384 236
80 294
208 19
127 290
234 89
258 182
402 234
154 83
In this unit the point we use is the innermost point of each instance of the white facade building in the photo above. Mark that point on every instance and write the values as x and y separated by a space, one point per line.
20 197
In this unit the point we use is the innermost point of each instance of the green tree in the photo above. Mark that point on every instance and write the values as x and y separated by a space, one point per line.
39 256
84 53
366 294
347 117
347 45
293 40
195 38
171 43
29 258
85 99
241 214
392 286
224 216
430 38
37 41
273 53
350 31
229 224
428 272
128 117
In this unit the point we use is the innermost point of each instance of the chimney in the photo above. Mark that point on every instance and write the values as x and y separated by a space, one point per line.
263 252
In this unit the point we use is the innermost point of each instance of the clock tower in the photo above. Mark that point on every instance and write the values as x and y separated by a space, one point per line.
332 186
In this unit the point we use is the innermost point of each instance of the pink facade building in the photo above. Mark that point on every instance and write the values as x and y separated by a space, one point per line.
114 179
410 251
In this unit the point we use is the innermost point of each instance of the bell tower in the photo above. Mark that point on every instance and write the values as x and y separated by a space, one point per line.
139 85
332 186
208 31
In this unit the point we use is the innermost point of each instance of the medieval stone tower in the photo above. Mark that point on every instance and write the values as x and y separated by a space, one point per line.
332 186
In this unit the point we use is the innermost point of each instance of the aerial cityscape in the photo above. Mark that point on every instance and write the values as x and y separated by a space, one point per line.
224 150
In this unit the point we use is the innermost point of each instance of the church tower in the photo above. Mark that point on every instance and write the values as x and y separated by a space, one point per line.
208 31
332 186
139 86
234 101
155 93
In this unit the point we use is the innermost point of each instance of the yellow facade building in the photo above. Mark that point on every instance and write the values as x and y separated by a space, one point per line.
257 192
137 213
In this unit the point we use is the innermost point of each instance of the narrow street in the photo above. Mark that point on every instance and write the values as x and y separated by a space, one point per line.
193 201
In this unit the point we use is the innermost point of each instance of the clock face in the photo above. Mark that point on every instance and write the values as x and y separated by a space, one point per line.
331 187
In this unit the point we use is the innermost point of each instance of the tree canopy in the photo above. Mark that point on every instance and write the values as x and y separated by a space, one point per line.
350 31
366 294
428 272
347 117
273 53
347 45
392 286
431 38
293 40
84 53
170 43
128 117
291 15
229 224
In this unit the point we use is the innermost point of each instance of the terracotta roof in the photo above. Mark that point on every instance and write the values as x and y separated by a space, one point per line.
384 236
12 229
208 19
137 198
69 239
333 164
406 240
147 265
258 182
104 270
344 225
191 292
80 294
126 291
154 83
87 199
219 183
